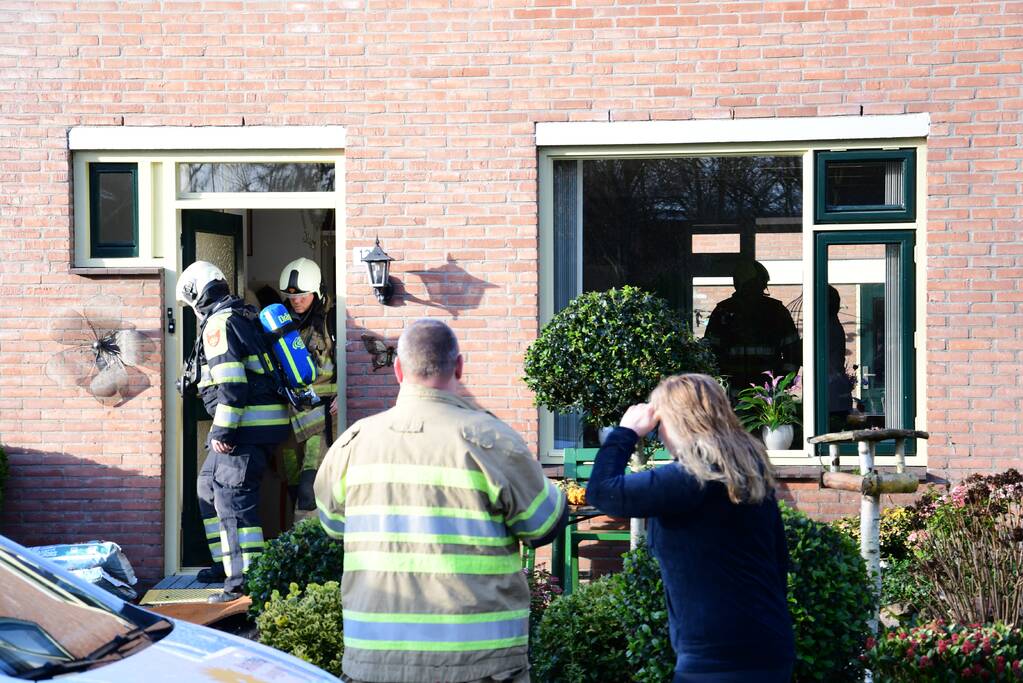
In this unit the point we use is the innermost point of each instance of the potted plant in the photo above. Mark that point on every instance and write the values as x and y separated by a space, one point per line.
772 408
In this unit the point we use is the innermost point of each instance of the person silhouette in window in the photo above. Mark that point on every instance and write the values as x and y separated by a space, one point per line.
751 333
839 385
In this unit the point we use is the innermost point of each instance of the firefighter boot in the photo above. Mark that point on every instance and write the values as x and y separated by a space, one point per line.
213 574
306 497
226 596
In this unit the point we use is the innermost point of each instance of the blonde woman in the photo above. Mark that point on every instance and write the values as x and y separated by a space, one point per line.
714 528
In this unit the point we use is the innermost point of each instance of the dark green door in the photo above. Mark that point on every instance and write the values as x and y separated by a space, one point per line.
215 237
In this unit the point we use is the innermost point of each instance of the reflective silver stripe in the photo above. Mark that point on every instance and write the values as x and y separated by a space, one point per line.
250 537
258 416
253 365
228 372
226 416
309 418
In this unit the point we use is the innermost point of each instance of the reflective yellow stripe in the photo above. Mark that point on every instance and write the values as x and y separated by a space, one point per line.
227 416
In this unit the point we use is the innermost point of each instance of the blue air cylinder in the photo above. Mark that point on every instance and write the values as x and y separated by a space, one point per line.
292 355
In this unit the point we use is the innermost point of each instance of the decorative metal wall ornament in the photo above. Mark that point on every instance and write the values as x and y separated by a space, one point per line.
382 353
105 352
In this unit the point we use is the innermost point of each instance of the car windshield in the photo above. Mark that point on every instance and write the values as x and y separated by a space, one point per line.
46 620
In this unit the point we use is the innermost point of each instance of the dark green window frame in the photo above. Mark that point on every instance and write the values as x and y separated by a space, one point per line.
875 213
98 248
906 241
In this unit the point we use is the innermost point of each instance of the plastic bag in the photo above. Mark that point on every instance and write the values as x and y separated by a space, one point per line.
101 563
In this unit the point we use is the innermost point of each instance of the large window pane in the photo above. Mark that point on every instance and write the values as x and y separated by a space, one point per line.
688 230
255 177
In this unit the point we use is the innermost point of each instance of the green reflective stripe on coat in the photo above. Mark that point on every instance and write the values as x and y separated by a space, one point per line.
216 551
228 372
426 646
543 512
256 416
309 420
254 365
430 563
332 522
428 539
227 416
325 389
383 617
427 475
460 513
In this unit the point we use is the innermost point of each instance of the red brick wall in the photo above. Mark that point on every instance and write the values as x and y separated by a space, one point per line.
440 103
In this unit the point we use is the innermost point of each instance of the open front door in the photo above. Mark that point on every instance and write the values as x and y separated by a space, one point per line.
215 237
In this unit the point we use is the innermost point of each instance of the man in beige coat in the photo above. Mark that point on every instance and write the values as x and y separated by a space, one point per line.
432 499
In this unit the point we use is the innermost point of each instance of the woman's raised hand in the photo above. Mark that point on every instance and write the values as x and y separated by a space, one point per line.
640 418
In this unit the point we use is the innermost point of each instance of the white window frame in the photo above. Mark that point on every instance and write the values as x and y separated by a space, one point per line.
802 136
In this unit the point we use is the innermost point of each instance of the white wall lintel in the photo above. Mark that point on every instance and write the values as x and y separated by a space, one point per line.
714 131
114 138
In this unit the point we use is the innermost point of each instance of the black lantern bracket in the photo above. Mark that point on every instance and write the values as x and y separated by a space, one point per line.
378 266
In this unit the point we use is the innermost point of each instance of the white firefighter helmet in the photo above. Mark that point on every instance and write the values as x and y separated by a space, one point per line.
194 279
301 276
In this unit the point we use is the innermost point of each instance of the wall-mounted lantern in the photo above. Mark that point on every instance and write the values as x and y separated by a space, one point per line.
378 264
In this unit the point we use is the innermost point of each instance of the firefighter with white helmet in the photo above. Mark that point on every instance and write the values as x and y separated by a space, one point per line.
301 284
750 332
230 368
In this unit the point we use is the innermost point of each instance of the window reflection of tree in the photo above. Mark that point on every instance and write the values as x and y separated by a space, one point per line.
257 177
638 214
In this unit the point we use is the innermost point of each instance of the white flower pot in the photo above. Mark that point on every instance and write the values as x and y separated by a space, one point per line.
777 439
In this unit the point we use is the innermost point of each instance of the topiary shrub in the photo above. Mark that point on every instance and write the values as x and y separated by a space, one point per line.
831 600
608 350
302 555
306 624
581 639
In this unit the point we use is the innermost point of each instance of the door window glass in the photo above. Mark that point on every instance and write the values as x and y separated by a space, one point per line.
864 330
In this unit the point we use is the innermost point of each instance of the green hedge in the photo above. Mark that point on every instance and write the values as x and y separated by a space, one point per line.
302 555
830 599
306 623
616 628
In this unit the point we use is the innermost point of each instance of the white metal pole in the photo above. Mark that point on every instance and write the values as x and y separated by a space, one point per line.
870 513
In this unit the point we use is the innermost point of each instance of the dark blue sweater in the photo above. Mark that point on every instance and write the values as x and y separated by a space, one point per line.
724 565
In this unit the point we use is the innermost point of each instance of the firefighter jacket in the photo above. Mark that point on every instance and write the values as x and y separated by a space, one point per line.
234 384
432 499
317 332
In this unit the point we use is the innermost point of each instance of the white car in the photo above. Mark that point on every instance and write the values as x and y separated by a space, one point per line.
56 626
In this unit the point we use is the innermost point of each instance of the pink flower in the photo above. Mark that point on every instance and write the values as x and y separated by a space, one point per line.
999 664
925 662
968 647
871 642
942 646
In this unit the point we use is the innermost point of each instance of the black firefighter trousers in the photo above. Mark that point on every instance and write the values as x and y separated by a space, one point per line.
228 488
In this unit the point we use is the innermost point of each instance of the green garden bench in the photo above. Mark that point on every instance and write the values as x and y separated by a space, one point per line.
578 465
